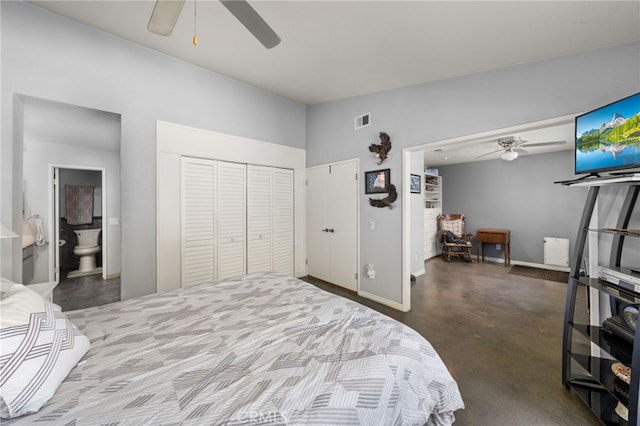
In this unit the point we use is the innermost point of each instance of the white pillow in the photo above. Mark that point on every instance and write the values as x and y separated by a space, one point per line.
38 348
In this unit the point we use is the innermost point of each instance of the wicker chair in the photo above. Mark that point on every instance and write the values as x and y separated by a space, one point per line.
457 244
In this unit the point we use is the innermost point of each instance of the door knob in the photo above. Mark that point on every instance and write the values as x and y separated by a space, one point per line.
325 230
331 230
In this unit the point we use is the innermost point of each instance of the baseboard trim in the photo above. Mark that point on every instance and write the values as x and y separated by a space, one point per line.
419 273
531 264
382 300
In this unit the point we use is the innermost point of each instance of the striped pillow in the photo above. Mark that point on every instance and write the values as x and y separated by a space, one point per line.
38 348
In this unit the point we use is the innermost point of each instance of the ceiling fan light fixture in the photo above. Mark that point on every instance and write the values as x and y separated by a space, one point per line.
509 155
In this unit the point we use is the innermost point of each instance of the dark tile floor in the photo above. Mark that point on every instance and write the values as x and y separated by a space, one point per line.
500 336
84 292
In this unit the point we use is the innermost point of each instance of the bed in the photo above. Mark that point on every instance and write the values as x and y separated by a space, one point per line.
259 349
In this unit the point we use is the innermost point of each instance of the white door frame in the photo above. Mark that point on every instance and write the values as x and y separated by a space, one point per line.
54 234
406 230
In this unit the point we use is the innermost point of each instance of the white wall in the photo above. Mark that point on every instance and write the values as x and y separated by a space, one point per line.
49 57
38 158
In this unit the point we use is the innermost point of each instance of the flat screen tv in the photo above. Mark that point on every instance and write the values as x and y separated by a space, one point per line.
608 138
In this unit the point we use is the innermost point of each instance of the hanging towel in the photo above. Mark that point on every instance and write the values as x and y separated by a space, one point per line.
37 227
79 204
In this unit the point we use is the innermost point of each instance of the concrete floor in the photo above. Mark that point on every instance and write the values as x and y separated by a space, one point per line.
500 336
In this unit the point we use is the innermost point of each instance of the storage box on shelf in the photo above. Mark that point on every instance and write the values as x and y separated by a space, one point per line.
589 349
433 208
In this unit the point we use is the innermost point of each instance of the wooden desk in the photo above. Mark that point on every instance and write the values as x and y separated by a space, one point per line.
494 236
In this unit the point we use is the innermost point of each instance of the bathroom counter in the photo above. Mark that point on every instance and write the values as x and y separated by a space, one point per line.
27 241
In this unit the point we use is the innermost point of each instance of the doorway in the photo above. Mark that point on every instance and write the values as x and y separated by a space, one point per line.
56 135
79 236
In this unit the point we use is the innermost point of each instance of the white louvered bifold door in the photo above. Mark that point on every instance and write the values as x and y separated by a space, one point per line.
282 194
259 232
198 221
231 191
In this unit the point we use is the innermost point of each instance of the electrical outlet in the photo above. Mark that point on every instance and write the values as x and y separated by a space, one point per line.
498 246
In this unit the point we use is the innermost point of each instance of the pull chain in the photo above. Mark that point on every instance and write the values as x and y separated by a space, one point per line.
195 33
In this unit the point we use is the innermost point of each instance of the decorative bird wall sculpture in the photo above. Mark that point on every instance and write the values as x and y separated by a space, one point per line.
382 150
388 200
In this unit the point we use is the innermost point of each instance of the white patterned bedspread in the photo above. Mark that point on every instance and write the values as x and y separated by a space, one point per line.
261 349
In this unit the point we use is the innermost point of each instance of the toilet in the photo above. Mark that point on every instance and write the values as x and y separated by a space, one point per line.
86 248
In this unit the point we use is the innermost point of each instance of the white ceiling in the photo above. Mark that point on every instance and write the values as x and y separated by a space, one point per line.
338 49
468 149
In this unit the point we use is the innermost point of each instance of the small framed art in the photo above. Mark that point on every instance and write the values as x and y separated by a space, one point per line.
376 181
415 184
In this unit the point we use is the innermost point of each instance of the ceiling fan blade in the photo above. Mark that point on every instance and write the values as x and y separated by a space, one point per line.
528 145
252 21
489 153
164 16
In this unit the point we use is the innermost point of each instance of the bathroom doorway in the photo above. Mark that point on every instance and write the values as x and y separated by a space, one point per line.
66 136
78 216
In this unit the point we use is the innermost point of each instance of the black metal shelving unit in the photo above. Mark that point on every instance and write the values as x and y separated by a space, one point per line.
588 350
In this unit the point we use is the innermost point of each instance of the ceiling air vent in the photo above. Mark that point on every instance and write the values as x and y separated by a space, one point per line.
363 121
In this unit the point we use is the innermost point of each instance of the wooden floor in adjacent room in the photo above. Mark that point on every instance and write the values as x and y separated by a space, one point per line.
500 336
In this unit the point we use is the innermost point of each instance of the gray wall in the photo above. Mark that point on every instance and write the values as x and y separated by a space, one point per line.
457 107
518 195
50 57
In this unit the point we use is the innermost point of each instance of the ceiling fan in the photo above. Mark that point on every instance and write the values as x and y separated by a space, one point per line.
166 12
512 146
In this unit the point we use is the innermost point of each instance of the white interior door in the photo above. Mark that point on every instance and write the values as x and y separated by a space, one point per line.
198 221
332 218
343 229
259 220
318 243
282 220
232 216
56 224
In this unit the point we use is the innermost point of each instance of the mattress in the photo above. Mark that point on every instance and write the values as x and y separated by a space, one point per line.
260 349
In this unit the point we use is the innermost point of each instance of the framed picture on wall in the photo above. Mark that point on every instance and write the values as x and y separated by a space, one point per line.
376 181
415 186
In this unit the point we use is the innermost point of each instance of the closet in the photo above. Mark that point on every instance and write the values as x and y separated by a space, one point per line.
270 219
332 223
235 219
